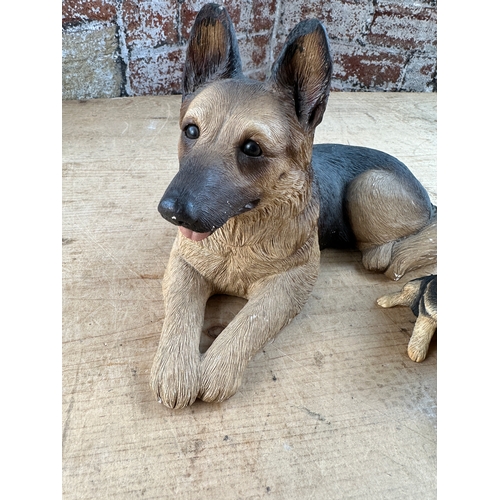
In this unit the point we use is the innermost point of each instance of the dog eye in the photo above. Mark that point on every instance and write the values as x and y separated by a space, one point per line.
192 132
251 148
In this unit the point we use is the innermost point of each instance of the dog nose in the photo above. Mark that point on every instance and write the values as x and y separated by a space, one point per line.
173 211
170 210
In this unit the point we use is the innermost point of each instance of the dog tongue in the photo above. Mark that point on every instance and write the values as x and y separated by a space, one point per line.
192 235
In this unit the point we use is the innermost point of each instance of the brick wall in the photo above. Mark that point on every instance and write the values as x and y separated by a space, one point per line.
136 47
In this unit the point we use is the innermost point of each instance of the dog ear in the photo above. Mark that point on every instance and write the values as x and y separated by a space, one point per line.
304 70
212 52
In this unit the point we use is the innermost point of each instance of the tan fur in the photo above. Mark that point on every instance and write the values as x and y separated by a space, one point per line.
423 331
414 251
426 323
392 231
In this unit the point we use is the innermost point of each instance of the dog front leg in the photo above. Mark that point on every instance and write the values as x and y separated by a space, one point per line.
424 329
175 374
271 307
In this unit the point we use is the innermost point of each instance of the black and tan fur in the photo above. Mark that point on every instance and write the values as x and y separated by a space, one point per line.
421 296
255 201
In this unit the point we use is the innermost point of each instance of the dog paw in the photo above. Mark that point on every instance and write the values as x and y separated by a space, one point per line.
175 382
417 351
221 376
424 329
384 301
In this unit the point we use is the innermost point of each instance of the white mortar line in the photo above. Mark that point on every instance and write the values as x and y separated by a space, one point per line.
123 47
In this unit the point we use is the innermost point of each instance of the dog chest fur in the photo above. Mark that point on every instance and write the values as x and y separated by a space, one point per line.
234 261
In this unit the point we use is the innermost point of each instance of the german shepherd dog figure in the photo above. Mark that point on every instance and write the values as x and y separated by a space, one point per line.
255 202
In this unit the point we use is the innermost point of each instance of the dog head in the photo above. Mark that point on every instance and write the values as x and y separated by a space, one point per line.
245 144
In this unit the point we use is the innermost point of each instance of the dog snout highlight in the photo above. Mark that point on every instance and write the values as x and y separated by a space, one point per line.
180 213
170 210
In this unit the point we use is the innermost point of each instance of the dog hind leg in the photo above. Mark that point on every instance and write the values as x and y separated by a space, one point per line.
393 222
414 251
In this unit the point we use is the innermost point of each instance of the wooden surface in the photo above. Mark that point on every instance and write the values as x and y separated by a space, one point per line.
332 409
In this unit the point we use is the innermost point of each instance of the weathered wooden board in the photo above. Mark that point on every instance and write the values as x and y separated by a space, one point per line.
332 409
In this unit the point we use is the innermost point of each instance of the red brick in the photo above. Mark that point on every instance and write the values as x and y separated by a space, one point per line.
366 69
420 74
78 11
157 74
344 20
189 9
383 45
150 24
403 26
247 17
255 17
255 54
